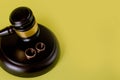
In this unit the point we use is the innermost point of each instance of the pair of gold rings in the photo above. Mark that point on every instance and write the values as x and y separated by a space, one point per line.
31 52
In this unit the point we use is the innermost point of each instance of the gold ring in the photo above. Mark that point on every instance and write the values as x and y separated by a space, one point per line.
40 47
30 53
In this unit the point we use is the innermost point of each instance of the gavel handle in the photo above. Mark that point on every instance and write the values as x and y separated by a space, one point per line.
6 31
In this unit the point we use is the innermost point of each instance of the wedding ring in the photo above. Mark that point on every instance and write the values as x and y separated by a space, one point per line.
40 47
30 53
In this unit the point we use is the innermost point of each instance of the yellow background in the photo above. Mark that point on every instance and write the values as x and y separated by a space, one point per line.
88 32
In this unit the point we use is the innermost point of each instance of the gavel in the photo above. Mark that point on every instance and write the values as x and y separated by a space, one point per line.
27 49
